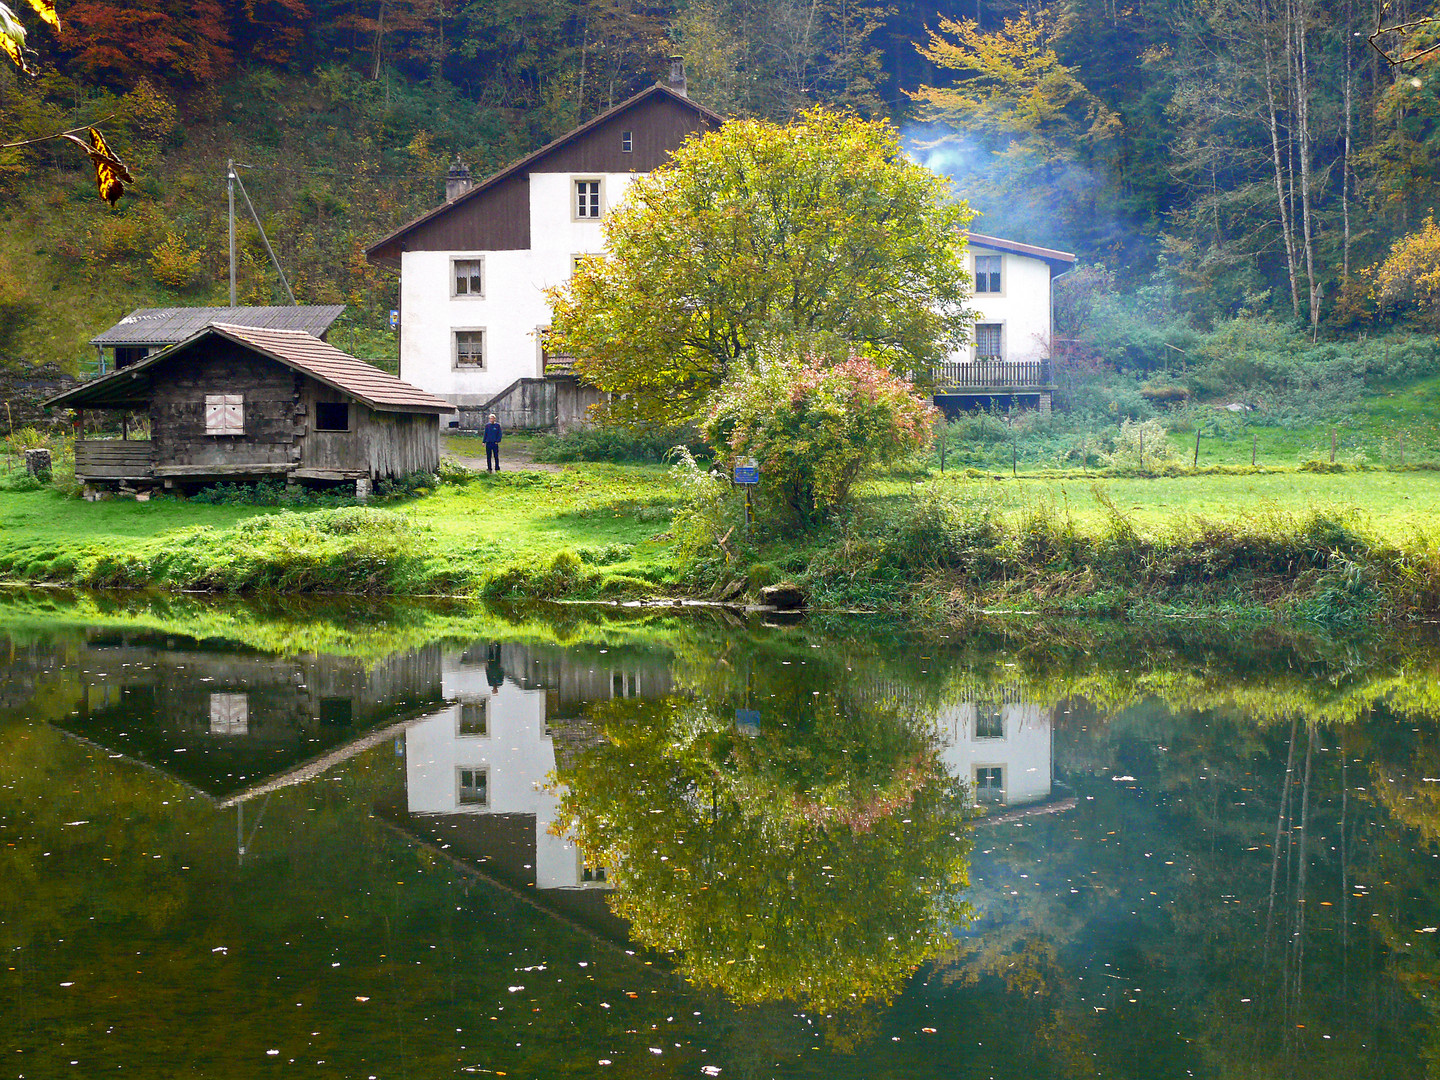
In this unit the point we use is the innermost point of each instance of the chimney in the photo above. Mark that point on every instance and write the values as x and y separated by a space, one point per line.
676 81
457 180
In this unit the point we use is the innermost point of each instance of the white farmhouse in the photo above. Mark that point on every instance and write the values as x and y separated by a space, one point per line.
1008 362
473 272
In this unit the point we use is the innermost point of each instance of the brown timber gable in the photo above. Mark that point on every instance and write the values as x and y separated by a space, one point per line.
495 215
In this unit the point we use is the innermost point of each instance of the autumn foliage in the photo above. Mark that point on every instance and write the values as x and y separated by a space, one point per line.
814 426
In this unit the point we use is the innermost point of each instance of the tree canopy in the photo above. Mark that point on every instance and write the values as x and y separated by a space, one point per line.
757 232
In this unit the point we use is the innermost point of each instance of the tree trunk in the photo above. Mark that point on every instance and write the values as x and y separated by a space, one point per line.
1287 229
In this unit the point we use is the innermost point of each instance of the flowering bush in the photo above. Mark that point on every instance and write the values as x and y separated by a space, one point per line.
814 425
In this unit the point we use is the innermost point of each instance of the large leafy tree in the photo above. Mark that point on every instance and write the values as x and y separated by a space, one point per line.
756 232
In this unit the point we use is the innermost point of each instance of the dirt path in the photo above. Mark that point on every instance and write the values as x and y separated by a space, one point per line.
516 457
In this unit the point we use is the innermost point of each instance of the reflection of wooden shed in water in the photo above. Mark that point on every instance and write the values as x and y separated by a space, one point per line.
238 403
234 723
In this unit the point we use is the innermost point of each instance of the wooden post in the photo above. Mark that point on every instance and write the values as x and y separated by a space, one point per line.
124 426
1142 448
1332 446
1402 449
1196 463
1254 445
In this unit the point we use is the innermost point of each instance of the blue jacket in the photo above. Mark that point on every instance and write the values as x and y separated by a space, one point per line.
492 433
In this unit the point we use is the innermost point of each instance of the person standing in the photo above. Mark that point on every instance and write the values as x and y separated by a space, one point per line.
492 444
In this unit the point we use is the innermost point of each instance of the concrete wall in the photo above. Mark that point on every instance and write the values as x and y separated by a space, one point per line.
513 306
1022 307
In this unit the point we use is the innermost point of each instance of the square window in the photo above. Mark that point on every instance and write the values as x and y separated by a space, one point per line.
987 341
469 348
332 416
627 142
593 873
987 273
989 783
229 714
474 722
473 786
989 722
224 414
467 277
336 711
587 199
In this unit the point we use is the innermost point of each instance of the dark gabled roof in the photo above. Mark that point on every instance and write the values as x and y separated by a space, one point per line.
302 352
166 326
528 162
1059 261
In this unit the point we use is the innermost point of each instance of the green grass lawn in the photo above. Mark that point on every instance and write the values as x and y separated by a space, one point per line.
610 516
1399 425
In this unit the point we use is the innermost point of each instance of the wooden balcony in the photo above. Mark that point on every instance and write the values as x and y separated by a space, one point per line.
992 376
114 459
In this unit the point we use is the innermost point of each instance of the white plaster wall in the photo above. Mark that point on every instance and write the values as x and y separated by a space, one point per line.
1024 752
1023 306
514 303
518 754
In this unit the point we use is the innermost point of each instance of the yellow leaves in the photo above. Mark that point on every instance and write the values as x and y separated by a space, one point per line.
12 39
12 31
46 10
111 175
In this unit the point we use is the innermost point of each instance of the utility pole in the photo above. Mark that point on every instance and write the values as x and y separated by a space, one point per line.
230 183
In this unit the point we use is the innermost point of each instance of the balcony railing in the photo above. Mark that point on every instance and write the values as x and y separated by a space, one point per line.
992 374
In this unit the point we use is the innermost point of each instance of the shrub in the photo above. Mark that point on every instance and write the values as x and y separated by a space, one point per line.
814 425
175 264
614 442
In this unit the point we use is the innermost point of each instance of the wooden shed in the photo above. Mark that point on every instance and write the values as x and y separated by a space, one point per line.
237 403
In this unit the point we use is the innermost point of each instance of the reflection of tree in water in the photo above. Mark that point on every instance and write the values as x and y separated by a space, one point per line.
818 861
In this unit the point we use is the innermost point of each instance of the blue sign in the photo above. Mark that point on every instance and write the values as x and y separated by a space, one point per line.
747 721
747 472
394 318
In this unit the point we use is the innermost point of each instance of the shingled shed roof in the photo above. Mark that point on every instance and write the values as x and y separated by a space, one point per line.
166 326
302 352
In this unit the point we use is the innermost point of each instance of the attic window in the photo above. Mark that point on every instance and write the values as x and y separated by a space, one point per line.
627 142
224 414
332 416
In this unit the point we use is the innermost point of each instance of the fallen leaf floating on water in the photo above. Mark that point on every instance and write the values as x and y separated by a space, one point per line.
111 174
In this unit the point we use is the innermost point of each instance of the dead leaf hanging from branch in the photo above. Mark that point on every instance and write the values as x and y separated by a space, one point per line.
111 174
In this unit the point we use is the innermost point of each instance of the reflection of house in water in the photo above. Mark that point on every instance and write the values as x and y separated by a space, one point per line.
1001 747
477 771
233 722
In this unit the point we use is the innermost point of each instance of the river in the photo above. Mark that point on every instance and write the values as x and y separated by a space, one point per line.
389 841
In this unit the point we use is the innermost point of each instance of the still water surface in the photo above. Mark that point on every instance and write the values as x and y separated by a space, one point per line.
363 844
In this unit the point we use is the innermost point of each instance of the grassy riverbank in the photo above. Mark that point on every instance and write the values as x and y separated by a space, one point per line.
1344 546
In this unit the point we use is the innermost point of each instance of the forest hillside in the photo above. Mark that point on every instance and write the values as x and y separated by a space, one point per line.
1208 162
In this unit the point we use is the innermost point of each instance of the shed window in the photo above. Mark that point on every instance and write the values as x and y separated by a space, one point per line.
332 416
587 199
224 414
987 273
627 142
469 277
469 348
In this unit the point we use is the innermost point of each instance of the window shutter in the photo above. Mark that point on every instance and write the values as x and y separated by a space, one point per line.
234 414
214 414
